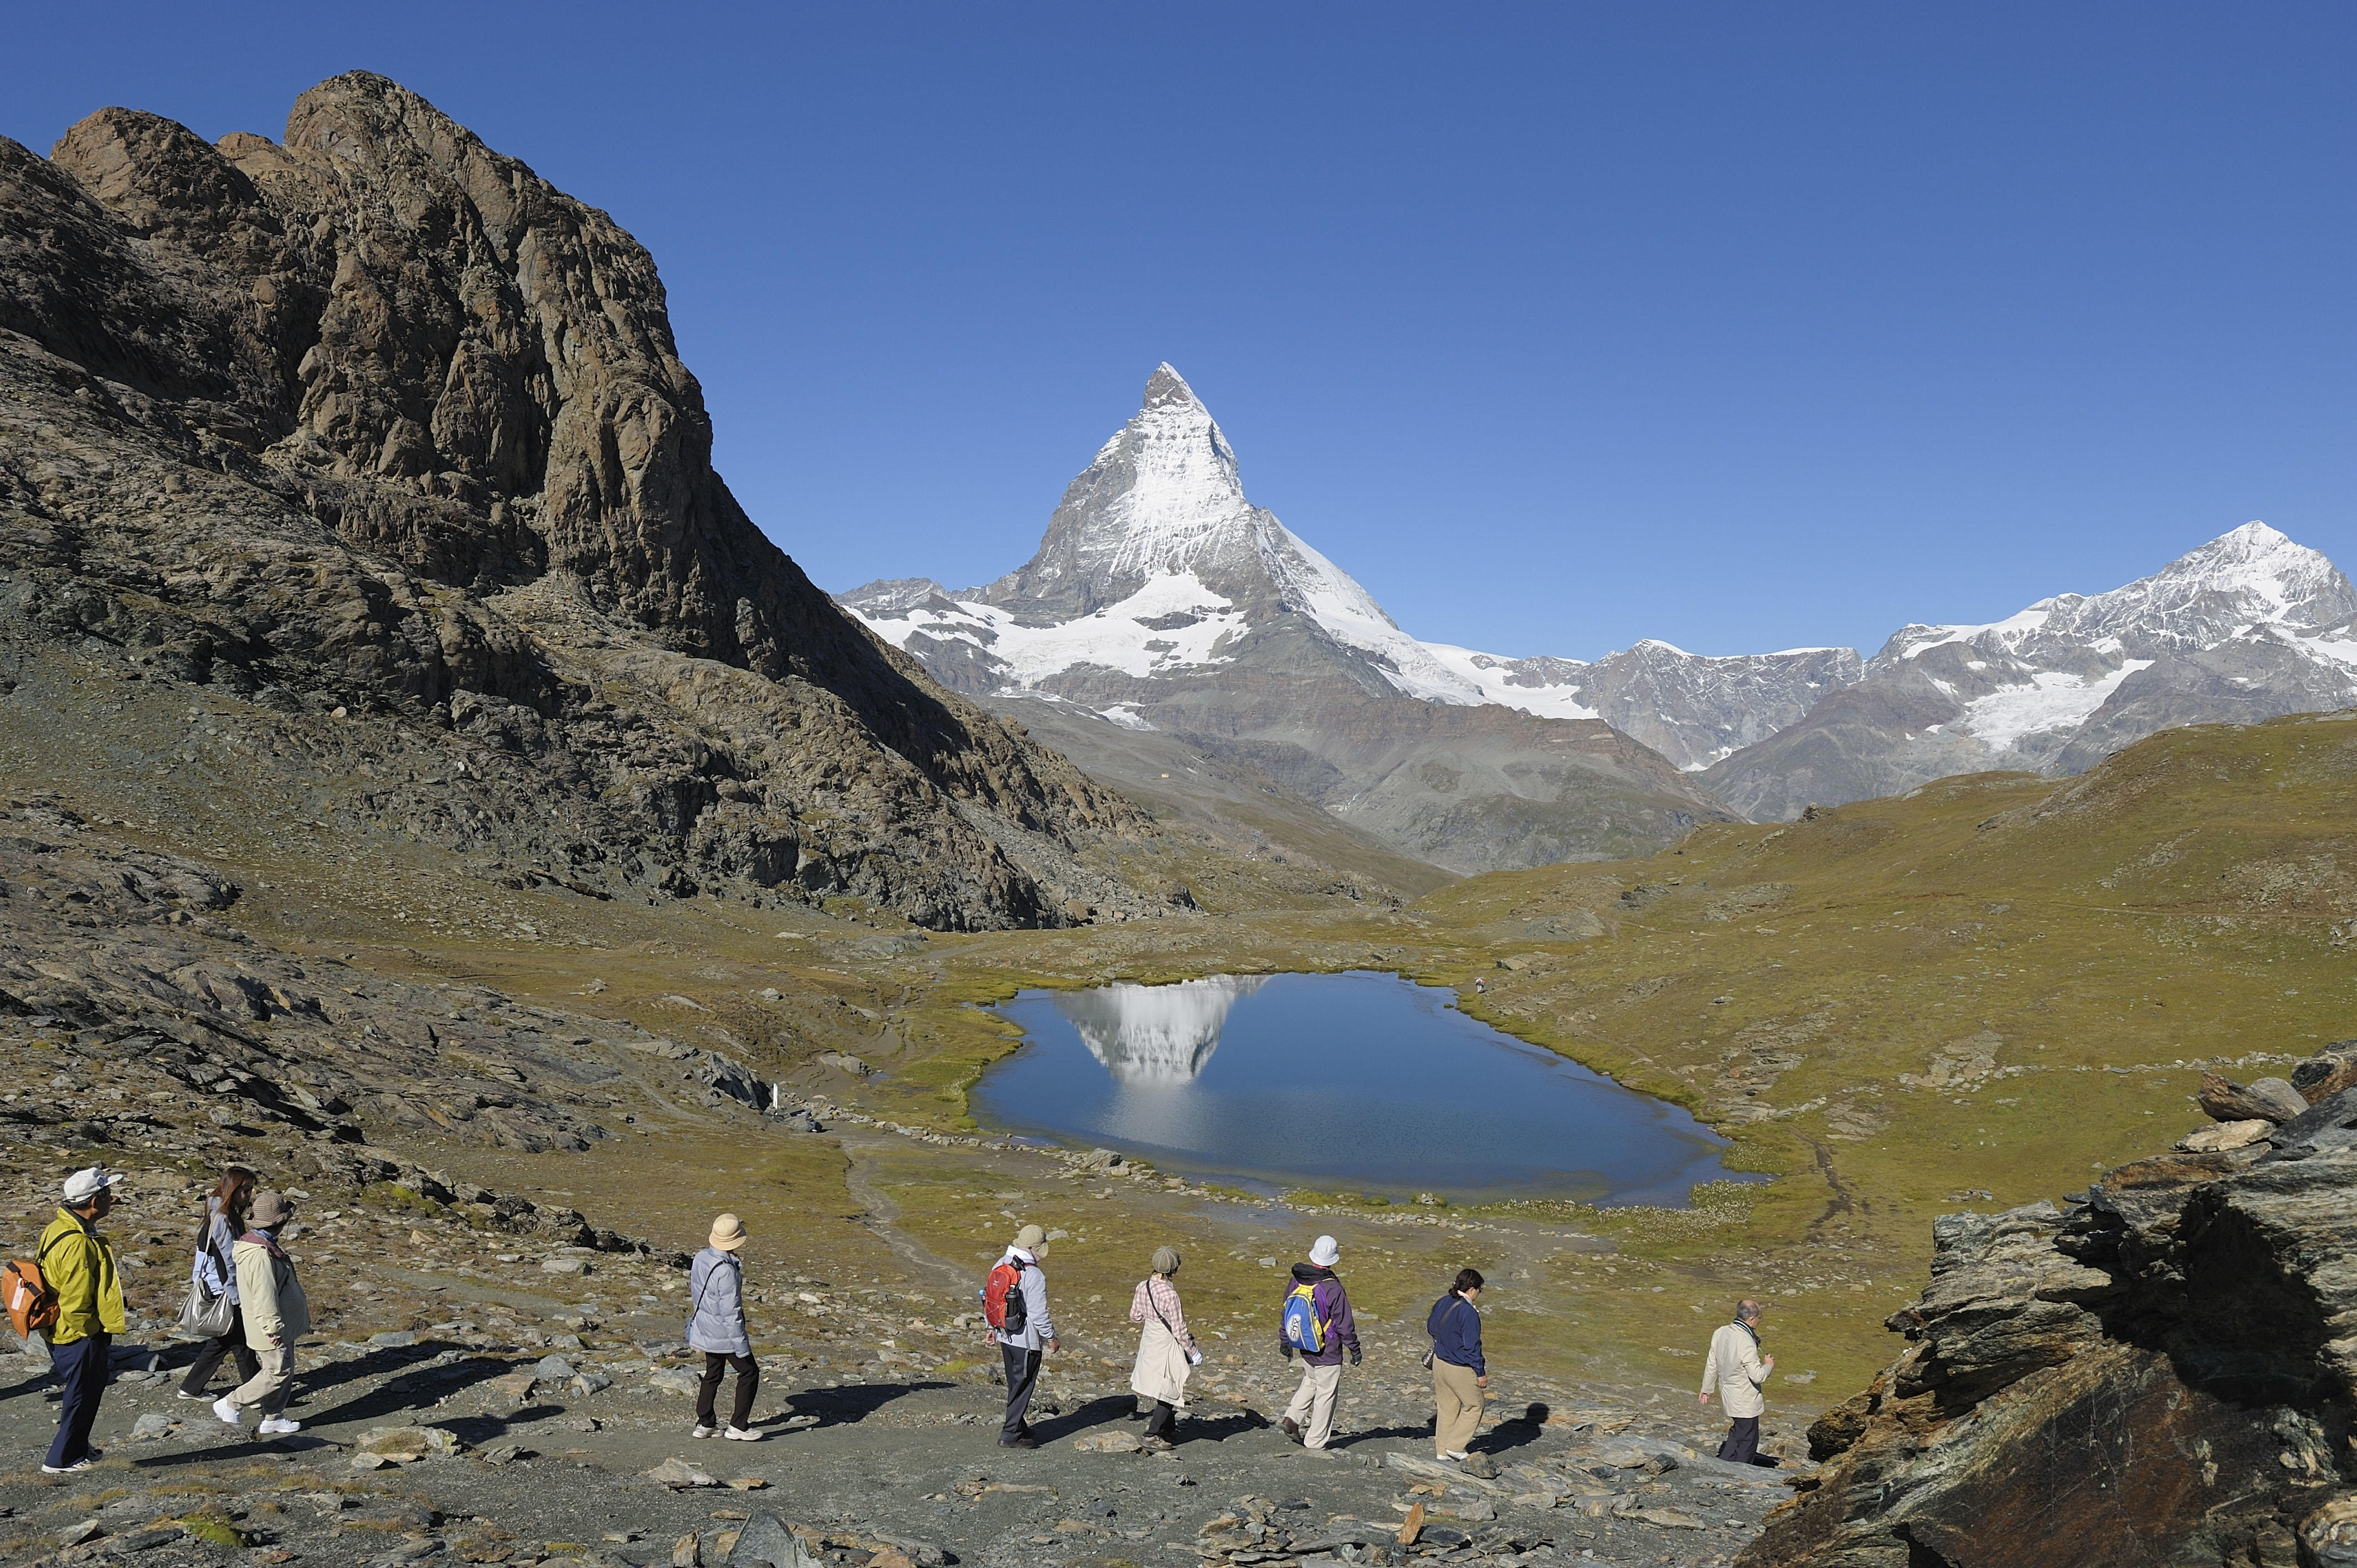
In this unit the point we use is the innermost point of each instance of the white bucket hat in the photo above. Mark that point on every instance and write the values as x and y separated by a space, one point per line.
1324 1252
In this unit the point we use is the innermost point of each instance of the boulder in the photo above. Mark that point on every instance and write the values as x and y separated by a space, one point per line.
674 1380
680 1476
2220 1136
552 1369
406 1444
766 1542
2268 1099
1107 1443
2321 1078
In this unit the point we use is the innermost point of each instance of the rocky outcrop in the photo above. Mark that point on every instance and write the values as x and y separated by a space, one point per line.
377 419
160 1025
2161 1369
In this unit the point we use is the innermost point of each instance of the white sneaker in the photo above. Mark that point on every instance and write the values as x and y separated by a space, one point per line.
184 1394
703 1431
278 1426
65 1470
740 1434
225 1409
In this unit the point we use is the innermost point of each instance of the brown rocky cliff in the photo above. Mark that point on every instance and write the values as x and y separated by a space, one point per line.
377 415
2158 1370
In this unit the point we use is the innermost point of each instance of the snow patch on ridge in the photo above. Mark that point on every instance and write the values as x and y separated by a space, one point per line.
1494 679
2050 700
1112 637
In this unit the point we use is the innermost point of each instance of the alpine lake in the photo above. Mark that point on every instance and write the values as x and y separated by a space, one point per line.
1358 1082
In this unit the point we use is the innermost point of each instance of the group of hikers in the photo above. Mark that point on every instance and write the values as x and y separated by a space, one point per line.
245 1301
244 1297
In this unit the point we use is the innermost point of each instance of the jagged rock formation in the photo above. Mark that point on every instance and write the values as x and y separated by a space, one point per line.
2159 1370
375 419
1161 600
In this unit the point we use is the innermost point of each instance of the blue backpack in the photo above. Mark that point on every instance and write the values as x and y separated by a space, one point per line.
1303 1330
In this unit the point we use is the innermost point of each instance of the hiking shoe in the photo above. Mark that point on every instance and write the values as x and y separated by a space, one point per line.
1154 1444
1290 1427
740 1434
278 1426
1018 1443
699 1430
225 1409
184 1394
65 1470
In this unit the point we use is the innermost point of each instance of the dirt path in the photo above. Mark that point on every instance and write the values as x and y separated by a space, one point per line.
878 1213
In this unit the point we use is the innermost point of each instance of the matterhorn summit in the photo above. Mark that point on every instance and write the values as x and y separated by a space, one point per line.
1153 561
1162 602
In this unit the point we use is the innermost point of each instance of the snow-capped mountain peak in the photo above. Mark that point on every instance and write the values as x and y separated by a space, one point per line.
2248 577
1159 516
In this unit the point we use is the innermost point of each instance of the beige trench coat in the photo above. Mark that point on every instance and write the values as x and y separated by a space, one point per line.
1161 1368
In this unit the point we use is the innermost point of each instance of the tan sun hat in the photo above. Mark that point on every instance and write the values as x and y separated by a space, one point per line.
1032 1240
728 1232
269 1209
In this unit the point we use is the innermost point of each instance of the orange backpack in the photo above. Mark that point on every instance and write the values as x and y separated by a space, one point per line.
32 1305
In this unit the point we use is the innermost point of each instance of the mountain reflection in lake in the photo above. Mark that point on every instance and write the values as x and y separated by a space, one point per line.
1358 1082
1153 1034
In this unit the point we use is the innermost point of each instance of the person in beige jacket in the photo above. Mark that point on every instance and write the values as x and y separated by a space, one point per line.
1737 1369
276 1315
1165 1350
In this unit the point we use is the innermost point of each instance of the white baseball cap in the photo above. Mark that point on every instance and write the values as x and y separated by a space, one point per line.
85 1184
1323 1251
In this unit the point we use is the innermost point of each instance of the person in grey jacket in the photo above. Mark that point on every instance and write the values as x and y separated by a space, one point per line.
715 1325
216 1270
1021 1353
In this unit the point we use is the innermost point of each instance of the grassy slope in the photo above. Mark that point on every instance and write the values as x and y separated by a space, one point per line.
2083 941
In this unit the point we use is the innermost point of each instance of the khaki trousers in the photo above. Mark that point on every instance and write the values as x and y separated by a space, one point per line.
1456 1406
1312 1409
271 1384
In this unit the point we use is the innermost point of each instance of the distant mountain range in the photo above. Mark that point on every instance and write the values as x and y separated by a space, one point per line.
1162 603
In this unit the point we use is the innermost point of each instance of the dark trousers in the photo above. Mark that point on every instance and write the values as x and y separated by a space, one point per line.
748 1378
1161 1421
1022 1377
1742 1444
80 1368
231 1345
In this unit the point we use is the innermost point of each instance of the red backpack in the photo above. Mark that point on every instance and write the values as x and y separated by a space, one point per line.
1002 1298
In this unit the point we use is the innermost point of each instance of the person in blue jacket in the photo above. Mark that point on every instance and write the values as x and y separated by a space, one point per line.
1460 1375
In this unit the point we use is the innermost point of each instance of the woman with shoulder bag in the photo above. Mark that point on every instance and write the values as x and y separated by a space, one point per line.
1459 1373
715 1325
1165 1350
212 1285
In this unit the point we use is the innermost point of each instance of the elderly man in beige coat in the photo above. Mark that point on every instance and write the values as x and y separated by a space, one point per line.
1737 1369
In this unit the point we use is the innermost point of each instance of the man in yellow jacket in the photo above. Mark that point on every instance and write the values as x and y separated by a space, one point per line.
78 1265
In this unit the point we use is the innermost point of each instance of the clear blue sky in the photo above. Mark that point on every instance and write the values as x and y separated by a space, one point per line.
1742 326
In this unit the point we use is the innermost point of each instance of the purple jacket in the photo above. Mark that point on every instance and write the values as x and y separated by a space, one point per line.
1333 1304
